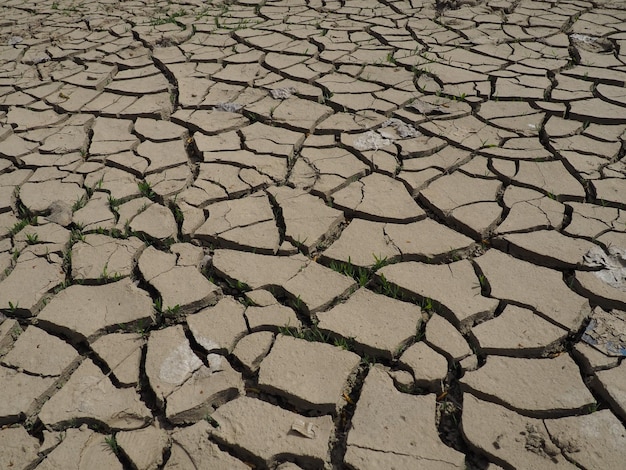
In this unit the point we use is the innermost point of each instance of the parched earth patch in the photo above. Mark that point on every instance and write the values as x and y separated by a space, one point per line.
302 235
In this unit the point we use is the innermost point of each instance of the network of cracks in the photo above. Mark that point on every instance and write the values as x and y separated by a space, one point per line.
312 234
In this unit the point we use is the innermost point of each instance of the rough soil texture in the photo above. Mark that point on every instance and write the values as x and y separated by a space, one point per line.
307 234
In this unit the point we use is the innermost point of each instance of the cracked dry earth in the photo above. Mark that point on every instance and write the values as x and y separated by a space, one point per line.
312 234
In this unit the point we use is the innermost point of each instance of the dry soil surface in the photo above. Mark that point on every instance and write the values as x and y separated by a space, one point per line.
312 234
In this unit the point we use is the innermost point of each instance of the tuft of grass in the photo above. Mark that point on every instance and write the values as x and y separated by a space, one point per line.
32 238
312 334
360 275
346 344
19 226
79 204
388 288
146 190
172 311
428 304
112 443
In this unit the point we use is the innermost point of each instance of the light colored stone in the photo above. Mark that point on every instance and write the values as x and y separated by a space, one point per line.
265 431
89 394
427 366
596 440
218 328
188 255
378 325
170 361
361 243
611 384
257 271
547 248
31 279
426 240
18 448
101 257
129 210
121 184
593 285
591 359
162 155
437 281
541 289
272 317
207 388
324 171
530 210
26 390
535 387
96 214
456 190
396 430
509 439
95 308
551 177
311 375
242 223
38 197
378 197
308 220
478 219
445 339
42 239
317 286
518 332
184 287
122 353
144 447
159 130
156 222
40 353
191 448
252 348
81 448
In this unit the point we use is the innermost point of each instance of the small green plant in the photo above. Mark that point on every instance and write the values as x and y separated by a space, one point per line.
368 361
112 443
32 238
312 334
13 306
428 304
388 288
114 203
168 18
158 304
379 262
79 204
172 311
179 217
297 304
146 190
345 343
212 422
18 226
